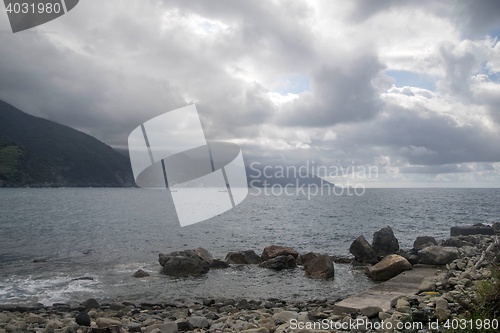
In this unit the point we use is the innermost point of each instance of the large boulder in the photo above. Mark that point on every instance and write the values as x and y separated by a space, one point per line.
389 267
424 241
320 267
384 242
303 259
363 251
183 263
280 262
438 255
247 257
274 251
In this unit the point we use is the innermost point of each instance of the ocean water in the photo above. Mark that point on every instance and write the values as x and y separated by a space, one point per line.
93 240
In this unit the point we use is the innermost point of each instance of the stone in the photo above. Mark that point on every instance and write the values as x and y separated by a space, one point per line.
438 255
204 254
427 285
116 306
424 241
199 322
140 274
384 242
274 251
83 319
370 311
218 264
496 226
183 263
106 322
389 267
479 229
34 319
256 330
279 263
363 251
248 257
243 305
410 255
302 259
286 315
91 303
321 267
184 326
136 327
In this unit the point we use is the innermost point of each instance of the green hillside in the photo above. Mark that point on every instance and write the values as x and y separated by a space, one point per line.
38 152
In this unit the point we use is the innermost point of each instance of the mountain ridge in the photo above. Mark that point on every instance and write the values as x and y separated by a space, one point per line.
37 152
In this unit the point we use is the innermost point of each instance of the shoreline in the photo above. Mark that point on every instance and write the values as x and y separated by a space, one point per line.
441 298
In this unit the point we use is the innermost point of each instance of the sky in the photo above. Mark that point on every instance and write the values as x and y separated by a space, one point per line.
410 89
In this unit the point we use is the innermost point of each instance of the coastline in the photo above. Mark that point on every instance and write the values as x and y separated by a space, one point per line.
441 298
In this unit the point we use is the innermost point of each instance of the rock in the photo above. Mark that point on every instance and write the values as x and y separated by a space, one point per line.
204 254
136 327
424 241
286 315
388 268
454 242
496 226
116 306
248 257
91 303
279 263
199 322
107 322
243 305
34 319
256 330
183 263
184 326
274 251
83 319
384 242
427 285
302 259
321 267
363 251
479 229
438 255
410 255
140 274
371 311
217 264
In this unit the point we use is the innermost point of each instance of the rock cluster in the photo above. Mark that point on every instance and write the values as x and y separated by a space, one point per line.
199 261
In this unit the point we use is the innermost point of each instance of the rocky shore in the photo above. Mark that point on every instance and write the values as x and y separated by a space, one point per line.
442 297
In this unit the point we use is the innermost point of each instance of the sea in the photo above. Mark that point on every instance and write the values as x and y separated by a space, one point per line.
65 245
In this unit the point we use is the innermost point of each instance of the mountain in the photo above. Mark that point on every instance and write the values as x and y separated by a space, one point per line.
38 152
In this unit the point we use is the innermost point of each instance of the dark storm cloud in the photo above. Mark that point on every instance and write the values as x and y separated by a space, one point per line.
340 93
477 18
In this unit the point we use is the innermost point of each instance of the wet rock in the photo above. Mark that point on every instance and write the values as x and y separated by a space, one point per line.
371 311
248 257
384 242
274 251
302 259
279 263
321 267
363 251
91 303
34 319
477 229
438 255
140 274
389 267
218 264
243 305
424 241
83 319
183 263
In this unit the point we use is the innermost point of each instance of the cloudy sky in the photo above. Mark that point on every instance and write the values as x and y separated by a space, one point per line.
411 88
